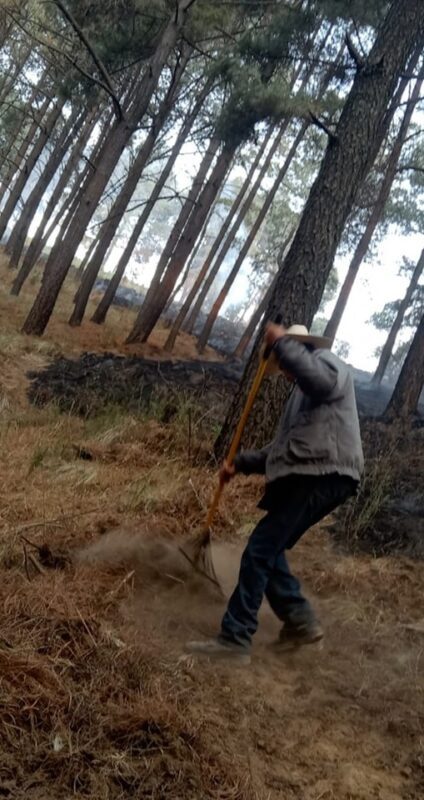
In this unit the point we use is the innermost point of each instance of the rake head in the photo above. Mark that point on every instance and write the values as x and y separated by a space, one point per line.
198 552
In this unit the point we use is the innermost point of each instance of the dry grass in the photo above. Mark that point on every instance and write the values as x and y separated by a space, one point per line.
98 700
91 707
109 337
86 710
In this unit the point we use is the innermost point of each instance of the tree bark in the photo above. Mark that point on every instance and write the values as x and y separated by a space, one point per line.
18 236
349 156
404 401
213 314
15 135
194 252
205 269
194 222
47 225
254 322
100 313
188 326
60 261
110 226
397 324
10 80
28 139
256 317
30 163
375 216
6 27
164 282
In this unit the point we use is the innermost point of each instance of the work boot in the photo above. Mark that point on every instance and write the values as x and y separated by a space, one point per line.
292 636
220 649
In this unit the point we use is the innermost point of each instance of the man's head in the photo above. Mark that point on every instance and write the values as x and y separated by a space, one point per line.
298 332
301 334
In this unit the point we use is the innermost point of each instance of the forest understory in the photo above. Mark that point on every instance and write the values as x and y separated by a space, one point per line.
99 699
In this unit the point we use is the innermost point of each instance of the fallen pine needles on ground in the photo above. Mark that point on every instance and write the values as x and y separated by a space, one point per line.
88 709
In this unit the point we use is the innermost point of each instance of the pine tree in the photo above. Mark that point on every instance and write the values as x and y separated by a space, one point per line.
398 318
118 137
256 95
17 238
378 209
106 301
350 154
61 204
404 401
49 124
110 225
203 272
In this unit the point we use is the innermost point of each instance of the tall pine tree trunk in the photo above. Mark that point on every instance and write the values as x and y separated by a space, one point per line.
253 323
159 292
206 275
256 317
181 222
375 216
60 261
100 313
397 324
188 326
15 136
17 239
11 79
111 225
193 256
404 401
50 220
17 162
349 156
30 162
213 314
229 241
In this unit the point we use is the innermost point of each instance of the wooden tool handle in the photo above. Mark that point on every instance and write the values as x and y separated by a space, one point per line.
256 385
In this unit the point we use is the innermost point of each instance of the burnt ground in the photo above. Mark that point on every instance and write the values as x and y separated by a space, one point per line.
84 384
391 495
98 698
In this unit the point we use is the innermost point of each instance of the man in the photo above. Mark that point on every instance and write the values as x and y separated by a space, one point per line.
312 466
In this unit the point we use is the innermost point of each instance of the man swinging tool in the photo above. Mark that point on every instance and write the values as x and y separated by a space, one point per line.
312 466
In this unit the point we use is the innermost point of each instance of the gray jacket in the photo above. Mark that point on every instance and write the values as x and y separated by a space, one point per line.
319 430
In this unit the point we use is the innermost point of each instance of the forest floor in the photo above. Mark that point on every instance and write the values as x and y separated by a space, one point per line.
98 698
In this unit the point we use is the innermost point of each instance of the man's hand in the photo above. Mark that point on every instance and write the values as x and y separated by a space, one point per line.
273 332
227 472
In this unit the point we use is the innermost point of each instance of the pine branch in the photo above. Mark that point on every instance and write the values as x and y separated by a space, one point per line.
60 52
410 76
354 53
410 168
99 64
323 127
410 102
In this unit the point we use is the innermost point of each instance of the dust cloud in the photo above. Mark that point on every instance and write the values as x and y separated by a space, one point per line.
157 560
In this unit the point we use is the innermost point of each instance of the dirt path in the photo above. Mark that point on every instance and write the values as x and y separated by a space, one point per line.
342 722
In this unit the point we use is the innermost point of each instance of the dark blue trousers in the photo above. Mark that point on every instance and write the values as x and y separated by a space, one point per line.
294 504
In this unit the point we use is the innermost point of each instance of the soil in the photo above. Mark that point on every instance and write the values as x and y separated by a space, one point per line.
99 699
334 721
